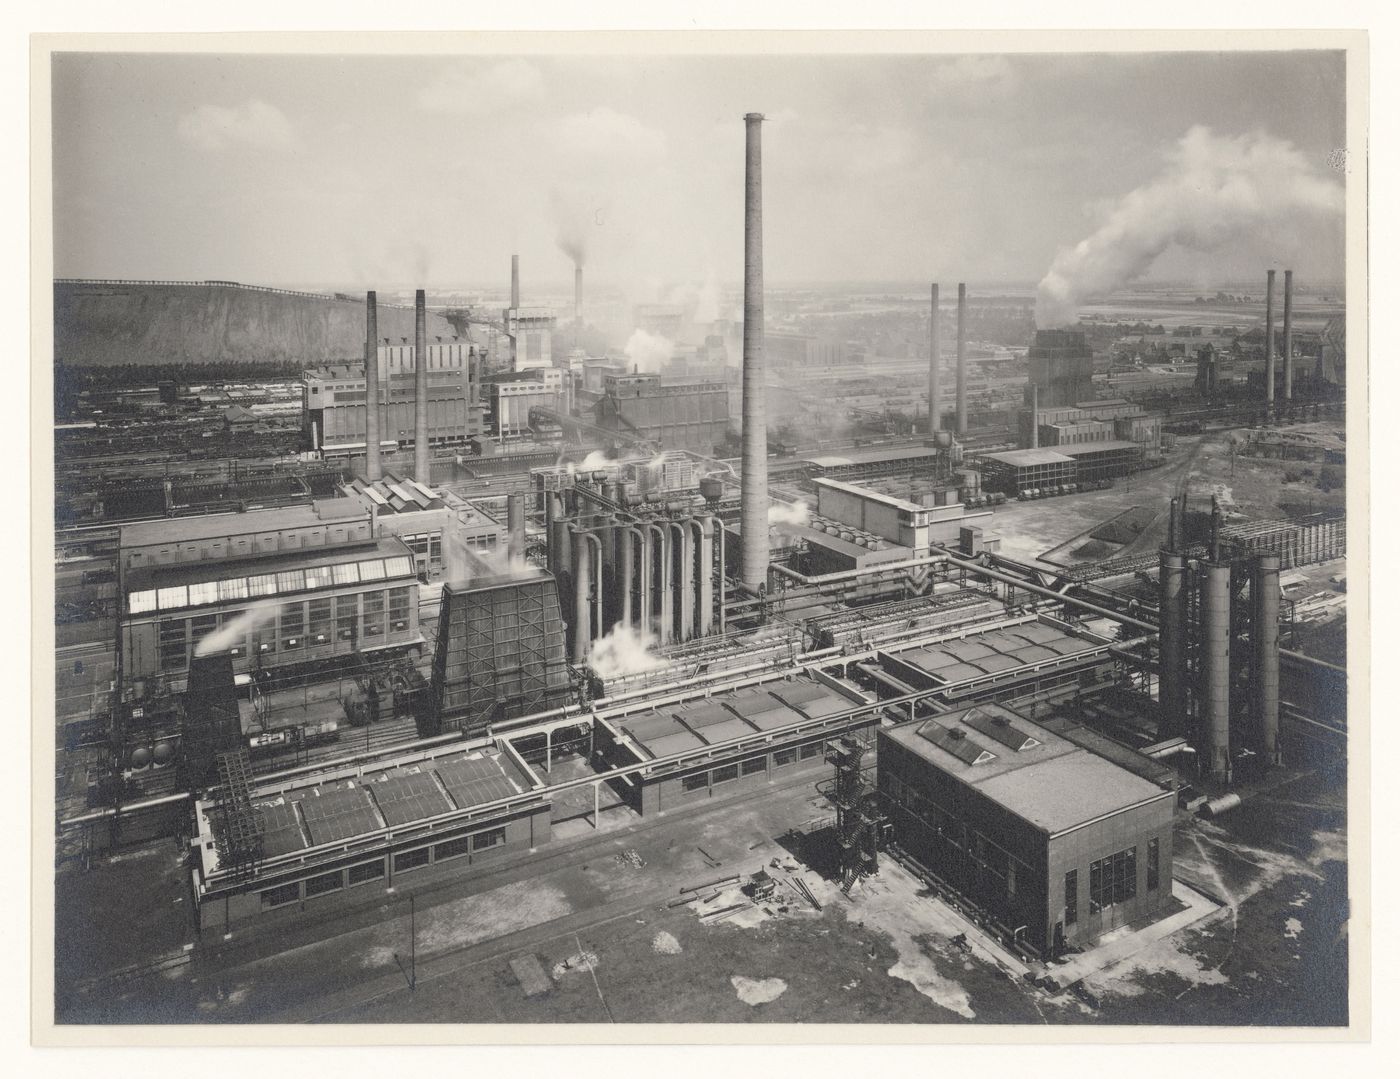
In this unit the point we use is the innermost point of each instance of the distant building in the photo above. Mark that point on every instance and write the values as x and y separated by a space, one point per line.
803 350
691 415
511 397
531 334
1061 367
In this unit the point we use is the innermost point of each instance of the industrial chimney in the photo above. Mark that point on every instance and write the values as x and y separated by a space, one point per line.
373 469
1269 343
514 282
1288 335
753 515
1171 645
1035 417
421 471
934 404
1264 592
962 359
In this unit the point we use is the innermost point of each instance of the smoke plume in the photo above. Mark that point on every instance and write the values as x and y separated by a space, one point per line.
794 513
647 353
573 219
624 651
225 637
1216 190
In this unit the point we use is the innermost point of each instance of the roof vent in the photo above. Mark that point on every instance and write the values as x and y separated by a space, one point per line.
958 733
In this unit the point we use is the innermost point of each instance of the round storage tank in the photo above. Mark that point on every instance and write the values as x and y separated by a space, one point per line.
141 757
163 753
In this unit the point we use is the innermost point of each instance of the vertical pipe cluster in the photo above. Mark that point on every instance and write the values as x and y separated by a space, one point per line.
935 406
962 359
1264 594
421 469
753 516
1269 342
1288 335
373 467
1171 683
1215 651
581 634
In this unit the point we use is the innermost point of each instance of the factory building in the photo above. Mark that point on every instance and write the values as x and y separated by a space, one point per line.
531 335
913 525
1055 844
1061 368
334 400
677 415
511 397
435 525
803 350
1014 471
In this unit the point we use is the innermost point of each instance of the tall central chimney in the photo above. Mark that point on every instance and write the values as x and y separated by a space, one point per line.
1288 335
962 359
1035 418
578 301
373 468
420 388
935 406
514 282
753 513
1269 343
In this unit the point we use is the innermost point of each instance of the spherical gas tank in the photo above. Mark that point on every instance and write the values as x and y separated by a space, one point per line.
163 753
140 758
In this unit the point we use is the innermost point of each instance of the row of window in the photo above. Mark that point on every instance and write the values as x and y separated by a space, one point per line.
290 627
256 586
366 872
698 781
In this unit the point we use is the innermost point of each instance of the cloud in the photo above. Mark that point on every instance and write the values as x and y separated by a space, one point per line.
976 77
479 91
254 123
603 135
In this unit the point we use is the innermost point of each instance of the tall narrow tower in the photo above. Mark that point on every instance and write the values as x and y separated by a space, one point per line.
514 282
1288 335
753 512
935 406
962 359
1269 342
373 468
420 388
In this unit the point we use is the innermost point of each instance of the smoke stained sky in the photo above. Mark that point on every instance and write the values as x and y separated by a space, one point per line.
398 170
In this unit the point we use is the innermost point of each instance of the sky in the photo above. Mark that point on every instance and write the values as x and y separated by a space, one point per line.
385 171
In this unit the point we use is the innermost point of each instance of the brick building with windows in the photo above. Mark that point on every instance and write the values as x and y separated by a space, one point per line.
1053 843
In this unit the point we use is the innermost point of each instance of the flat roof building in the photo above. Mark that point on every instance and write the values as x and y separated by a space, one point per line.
1054 843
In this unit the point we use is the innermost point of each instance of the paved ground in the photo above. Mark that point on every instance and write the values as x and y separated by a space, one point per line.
614 951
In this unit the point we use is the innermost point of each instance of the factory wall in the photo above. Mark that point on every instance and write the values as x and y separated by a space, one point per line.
403 864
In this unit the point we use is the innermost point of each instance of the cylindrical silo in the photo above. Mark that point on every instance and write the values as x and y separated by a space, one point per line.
1264 591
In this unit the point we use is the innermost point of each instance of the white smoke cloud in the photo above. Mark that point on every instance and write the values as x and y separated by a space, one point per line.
1216 190
623 651
646 352
225 637
795 513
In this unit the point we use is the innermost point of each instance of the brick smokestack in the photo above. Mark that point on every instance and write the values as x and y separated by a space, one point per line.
578 301
373 468
962 359
935 406
1269 342
753 514
514 282
1288 335
420 388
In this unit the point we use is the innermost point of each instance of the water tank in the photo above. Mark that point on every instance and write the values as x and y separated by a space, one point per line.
141 757
712 488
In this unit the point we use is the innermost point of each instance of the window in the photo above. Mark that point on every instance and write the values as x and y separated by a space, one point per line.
453 848
293 626
1153 868
372 571
293 580
753 765
410 859
318 577
398 610
346 573
697 782
171 599
398 567
138 602
725 774
264 584
365 872
347 611
324 884
173 644
318 628
235 588
810 750
281 896
1071 897
205 592
784 757
374 614
1112 879
496 837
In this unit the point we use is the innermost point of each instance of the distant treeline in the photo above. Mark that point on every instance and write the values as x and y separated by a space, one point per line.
132 375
